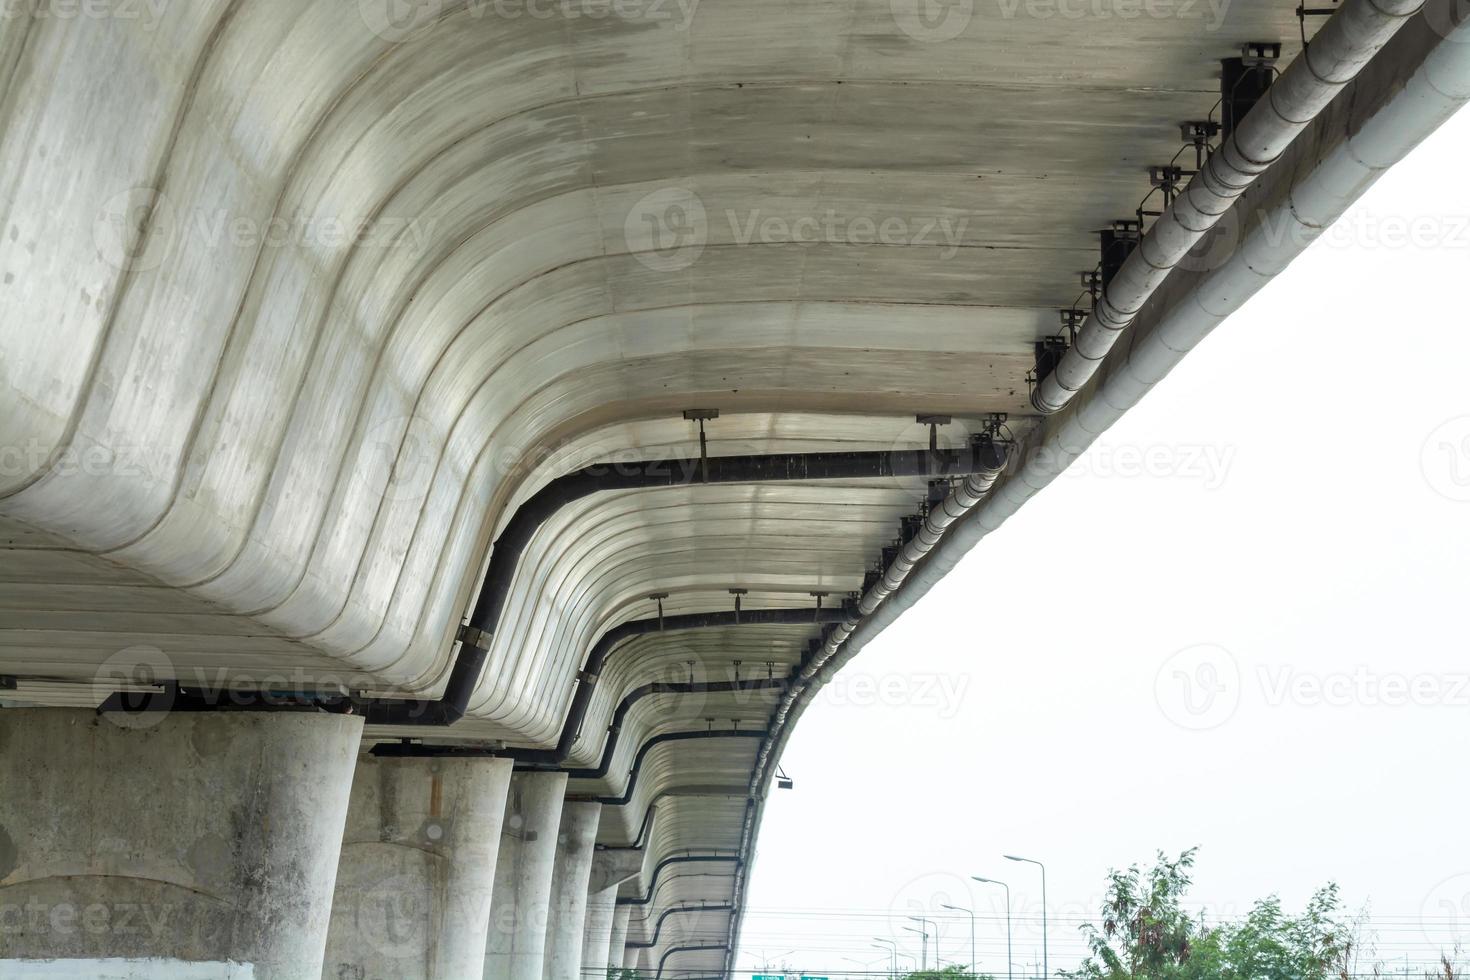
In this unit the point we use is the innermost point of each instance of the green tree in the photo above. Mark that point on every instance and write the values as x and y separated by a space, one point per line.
1144 933
948 973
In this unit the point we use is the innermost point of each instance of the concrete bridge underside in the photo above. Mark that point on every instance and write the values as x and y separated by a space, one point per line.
302 302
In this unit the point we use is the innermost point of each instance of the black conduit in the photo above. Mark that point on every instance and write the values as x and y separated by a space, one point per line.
475 637
641 839
645 826
664 739
658 870
597 659
649 690
684 949
677 910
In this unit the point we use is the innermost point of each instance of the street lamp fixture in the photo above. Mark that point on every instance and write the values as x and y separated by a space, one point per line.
924 947
971 914
1045 968
1010 968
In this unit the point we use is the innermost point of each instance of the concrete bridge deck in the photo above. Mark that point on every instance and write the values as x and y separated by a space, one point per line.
302 303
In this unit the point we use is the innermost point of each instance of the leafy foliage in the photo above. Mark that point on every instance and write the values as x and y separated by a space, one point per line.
1145 934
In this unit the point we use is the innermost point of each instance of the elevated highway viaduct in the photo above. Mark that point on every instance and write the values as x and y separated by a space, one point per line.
444 446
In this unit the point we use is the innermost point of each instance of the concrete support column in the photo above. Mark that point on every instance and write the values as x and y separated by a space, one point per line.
565 927
157 846
598 933
515 948
417 869
610 869
618 942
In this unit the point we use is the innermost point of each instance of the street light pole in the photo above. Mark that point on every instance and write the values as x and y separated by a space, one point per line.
956 908
1045 967
1010 968
926 925
923 947
892 948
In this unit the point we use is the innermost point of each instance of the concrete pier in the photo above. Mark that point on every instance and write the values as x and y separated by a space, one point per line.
417 869
515 947
597 936
567 921
617 943
170 845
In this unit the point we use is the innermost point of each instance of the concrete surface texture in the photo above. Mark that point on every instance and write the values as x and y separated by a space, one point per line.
515 947
618 939
198 845
301 299
567 919
417 871
597 933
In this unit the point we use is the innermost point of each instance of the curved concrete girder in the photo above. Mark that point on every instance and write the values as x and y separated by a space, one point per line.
240 27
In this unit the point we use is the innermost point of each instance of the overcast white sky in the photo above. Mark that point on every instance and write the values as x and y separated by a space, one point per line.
1301 534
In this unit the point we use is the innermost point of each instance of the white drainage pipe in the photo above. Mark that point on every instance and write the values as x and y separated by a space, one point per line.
1358 30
